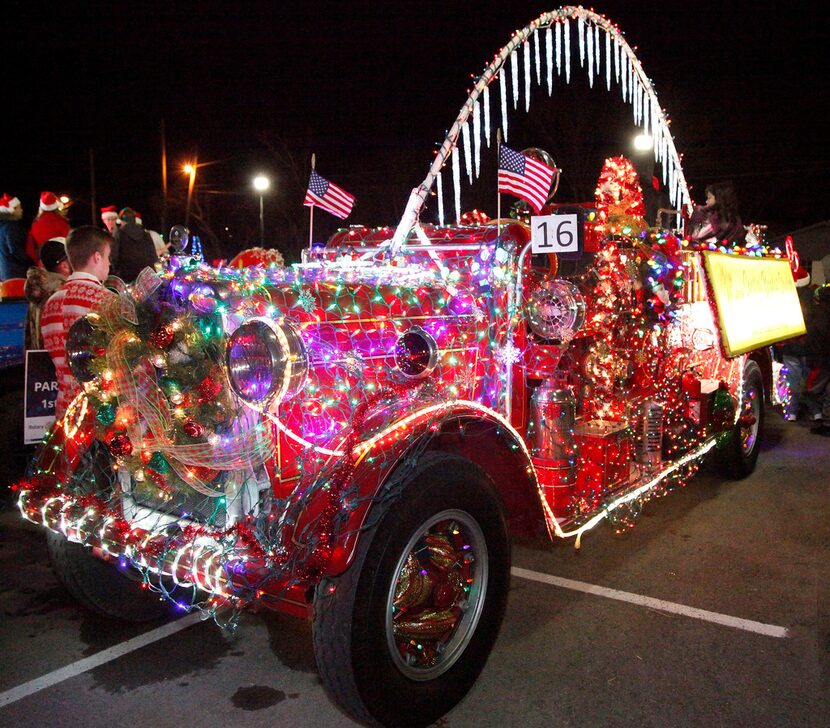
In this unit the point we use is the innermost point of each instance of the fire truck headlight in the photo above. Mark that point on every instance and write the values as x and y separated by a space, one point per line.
416 353
266 362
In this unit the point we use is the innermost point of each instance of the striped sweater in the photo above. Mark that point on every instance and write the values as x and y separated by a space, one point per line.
77 297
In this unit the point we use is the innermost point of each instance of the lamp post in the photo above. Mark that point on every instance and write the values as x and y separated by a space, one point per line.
261 184
189 169
643 145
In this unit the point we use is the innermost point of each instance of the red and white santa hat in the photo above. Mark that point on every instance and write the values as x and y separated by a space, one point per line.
801 277
109 213
8 203
48 201
138 220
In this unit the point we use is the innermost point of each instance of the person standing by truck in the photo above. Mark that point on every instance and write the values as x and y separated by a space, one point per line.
88 249
794 351
42 283
13 258
818 352
49 223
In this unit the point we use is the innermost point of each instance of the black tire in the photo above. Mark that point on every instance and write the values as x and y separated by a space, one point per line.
370 663
100 586
97 584
737 455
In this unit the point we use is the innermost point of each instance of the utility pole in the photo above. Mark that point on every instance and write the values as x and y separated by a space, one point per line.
92 193
163 181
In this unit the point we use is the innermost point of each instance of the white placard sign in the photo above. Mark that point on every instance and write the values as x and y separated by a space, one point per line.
554 233
39 395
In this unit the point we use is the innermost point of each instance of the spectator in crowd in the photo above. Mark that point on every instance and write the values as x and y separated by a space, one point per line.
41 283
13 258
158 241
134 247
818 352
794 351
109 216
88 249
718 219
49 223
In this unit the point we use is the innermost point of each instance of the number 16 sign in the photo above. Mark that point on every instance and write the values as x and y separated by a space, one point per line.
560 234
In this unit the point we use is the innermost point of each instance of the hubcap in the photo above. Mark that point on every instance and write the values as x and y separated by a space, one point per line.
437 595
749 418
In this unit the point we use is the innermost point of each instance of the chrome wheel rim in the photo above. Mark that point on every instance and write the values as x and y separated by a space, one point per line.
749 418
437 595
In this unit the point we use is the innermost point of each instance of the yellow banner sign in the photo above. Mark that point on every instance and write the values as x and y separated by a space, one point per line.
756 301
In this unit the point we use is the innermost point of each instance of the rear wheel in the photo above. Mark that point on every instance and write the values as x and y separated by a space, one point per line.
737 455
402 636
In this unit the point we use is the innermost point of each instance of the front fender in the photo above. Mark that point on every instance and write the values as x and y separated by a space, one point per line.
382 460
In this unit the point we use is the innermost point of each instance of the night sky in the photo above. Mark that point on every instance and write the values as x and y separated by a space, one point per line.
371 87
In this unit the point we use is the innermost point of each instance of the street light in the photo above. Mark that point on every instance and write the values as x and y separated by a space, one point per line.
190 169
643 142
261 184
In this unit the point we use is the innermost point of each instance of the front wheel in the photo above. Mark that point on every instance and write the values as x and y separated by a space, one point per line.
98 585
737 455
402 636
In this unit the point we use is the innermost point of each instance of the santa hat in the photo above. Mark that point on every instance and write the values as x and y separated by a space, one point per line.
8 203
138 220
801 277
48 201
109 213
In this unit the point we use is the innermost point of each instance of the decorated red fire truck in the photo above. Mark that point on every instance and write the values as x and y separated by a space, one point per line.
354 439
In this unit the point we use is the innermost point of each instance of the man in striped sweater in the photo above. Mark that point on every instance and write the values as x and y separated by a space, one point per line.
88 249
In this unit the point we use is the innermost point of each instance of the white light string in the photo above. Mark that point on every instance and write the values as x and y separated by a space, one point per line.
635 86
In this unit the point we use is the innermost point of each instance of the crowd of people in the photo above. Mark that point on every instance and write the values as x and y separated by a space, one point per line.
63 271
21 249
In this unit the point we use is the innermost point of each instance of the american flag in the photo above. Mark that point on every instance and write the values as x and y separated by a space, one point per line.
325 194
524 177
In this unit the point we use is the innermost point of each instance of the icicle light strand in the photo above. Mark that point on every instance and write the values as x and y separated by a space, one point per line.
635 87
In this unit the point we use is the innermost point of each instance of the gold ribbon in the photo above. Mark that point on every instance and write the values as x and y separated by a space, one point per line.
137 387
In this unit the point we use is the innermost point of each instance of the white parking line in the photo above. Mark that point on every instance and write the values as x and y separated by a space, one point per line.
748 625
142 640
98 659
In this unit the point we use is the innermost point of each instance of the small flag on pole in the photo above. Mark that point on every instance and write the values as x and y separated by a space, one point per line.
524 177
325 194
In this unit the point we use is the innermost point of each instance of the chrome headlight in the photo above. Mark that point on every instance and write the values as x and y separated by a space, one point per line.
416 353
266 362
80 350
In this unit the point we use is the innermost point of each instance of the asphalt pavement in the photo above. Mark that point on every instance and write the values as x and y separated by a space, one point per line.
712 611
